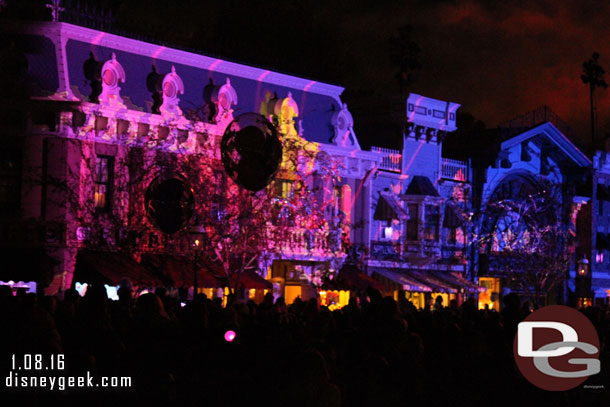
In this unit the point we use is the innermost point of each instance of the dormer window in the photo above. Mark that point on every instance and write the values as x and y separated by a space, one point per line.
220 101
388 217
112 74
172 86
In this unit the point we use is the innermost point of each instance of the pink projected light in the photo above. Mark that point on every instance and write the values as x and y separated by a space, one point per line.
229 336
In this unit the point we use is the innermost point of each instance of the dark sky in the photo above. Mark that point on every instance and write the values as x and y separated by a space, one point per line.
498 60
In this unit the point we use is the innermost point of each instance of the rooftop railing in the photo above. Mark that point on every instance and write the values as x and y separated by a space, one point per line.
454 169
392 159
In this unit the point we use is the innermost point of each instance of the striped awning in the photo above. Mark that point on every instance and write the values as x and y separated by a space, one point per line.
459 282
437 284
405 281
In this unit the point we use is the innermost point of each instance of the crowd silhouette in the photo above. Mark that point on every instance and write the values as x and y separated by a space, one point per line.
373 352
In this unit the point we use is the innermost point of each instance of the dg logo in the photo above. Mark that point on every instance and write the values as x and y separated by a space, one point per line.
557 348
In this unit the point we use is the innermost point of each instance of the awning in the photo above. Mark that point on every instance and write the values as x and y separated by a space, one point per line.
602 193
26 264
452 219
177 271
456 280
350 277
437 284
251 280
602 242
405 282
110 268
388 208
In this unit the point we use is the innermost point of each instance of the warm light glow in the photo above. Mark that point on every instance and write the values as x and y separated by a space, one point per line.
197 242
229 336
291 293
334 299
491 295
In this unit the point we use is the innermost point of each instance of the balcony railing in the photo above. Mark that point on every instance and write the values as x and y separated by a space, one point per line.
454 169
422 249
386 250
299 241
392 159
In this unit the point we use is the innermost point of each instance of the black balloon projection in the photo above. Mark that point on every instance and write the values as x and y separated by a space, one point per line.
251 151
169 203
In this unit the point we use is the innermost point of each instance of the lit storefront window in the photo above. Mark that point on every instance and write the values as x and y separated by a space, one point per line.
334 299
491 296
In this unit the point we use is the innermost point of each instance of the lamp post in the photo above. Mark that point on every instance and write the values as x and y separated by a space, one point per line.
583 283
198 234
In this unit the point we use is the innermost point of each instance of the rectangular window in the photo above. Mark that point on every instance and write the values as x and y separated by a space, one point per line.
284 188
456 236
431 223
385 230
104 177
601 207
10 181
452 236
413 222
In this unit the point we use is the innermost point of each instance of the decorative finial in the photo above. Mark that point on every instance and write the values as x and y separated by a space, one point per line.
289 95
173 69
56 8
228 81
113 56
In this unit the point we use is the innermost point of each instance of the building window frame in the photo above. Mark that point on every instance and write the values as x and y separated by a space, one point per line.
103 182
432 220
413 222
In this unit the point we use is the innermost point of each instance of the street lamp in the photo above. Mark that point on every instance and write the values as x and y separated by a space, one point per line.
583 283
198 235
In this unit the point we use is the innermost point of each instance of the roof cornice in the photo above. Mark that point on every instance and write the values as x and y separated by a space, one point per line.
70 31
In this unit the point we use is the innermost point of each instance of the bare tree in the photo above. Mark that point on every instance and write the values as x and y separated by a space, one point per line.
525 240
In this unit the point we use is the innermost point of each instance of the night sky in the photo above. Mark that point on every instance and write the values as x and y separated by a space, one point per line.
499 60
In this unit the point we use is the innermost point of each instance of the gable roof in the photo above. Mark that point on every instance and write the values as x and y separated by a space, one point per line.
421 185
548 137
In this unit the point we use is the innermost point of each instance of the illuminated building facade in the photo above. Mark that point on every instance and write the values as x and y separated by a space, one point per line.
112 121
115 124
595 238
535 167
418 235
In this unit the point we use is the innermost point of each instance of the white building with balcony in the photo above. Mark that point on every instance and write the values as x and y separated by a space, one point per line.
419 199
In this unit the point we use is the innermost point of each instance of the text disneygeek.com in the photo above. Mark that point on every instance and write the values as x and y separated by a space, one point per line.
26 374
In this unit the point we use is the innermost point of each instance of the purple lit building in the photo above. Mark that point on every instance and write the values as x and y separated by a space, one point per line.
93 119
419 238
74 194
